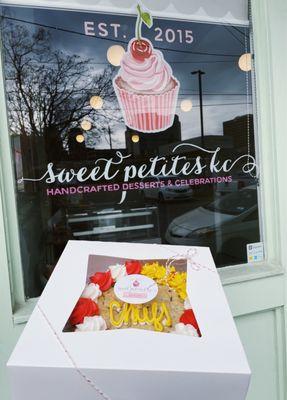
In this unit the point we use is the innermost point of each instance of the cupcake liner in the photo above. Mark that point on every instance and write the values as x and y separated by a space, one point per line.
148 112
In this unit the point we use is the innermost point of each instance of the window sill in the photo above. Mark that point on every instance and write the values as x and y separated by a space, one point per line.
249 272
228 275
23 311
253 288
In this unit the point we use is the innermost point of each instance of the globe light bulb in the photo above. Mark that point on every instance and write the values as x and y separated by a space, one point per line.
86 125
245 62
115 54
135 138
96 102
186 105
80 138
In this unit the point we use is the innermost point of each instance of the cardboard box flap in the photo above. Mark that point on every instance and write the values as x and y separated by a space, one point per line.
218 350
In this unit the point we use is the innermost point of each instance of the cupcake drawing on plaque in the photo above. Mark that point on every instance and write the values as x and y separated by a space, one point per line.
145 86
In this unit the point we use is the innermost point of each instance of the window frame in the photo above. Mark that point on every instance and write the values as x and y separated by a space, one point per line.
272 213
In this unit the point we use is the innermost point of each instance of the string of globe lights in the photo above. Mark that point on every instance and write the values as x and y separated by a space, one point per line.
115 54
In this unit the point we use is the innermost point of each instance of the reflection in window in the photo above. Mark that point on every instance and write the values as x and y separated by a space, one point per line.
63 111
235 203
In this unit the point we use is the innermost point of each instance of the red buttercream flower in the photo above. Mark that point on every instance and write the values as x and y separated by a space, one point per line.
84 308
188 317
103 279
133 267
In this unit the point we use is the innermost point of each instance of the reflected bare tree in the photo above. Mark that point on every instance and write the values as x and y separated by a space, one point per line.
48 90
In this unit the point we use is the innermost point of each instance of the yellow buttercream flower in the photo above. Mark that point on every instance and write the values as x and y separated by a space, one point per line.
149 269
160 272
170 277
181 291
157 272
163 274
177 281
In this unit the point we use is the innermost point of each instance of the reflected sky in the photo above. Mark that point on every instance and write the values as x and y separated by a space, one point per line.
215 50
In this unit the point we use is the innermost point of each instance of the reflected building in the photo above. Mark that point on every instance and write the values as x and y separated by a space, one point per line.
78 151
30 159
143 144
241 130
190 147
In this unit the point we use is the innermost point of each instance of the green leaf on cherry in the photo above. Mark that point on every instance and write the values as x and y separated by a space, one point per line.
147 19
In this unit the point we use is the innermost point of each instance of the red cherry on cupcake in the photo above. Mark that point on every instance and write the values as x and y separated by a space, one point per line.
141 49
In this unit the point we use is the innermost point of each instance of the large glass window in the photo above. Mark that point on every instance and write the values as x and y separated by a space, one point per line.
128 128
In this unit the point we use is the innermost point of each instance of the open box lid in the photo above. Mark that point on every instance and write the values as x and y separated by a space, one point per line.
43 342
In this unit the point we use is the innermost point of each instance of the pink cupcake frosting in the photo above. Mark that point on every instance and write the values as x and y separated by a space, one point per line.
146 89
151 75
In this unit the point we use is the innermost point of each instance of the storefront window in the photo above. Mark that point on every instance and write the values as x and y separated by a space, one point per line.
147 142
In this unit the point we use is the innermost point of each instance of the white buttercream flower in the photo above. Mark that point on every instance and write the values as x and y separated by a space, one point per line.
182 329
91 324
118 271
187 305
92 291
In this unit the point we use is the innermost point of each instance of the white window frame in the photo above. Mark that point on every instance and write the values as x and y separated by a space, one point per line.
270 156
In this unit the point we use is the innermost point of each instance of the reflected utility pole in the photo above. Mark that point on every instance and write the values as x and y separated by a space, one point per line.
200 73
110 136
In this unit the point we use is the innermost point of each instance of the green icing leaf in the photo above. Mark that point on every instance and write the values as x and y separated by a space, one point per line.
147 19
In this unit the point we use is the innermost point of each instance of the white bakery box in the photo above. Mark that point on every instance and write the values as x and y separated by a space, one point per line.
129 364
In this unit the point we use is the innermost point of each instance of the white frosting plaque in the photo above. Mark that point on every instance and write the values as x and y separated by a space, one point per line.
136 289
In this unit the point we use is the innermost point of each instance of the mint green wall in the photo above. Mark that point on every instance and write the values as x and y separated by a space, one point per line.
257 293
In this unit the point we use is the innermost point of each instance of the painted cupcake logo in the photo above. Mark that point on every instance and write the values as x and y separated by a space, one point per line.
145 87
